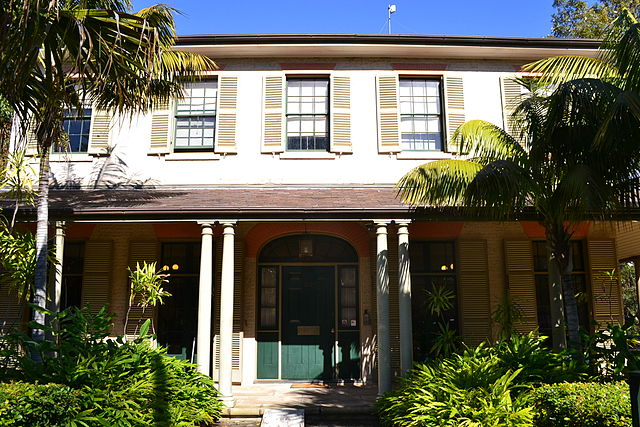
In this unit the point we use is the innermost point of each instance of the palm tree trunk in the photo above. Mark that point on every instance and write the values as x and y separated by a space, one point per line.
42 236
556 303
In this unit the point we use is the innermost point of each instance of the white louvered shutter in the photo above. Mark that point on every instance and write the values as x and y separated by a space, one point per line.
454 108
99 133
474 291
226 115
31 141
340 114
521 282
96 277
388 113
161 127
512 94
605 285
273 111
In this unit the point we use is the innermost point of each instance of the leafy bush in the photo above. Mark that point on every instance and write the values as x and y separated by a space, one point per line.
122 382
583 405
482 386
472 389
25 404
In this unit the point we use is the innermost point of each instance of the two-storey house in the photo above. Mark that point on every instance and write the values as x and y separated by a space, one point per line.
267 193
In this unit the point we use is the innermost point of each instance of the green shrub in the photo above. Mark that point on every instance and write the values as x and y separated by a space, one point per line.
583 405
122 382
26 404
471 389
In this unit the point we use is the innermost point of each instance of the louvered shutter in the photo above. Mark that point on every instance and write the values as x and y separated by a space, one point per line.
521 282
161 126
340 114
512 95
454 104
99 132
140 252
31 141
226 115
96 277
388 113
474 291
10 310
273 110
605 286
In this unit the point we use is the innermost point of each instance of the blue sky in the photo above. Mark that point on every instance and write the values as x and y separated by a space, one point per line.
520 18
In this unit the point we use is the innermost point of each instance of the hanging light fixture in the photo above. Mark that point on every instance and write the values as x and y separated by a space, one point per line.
305 248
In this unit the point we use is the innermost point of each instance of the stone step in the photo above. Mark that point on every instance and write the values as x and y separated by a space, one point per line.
283 418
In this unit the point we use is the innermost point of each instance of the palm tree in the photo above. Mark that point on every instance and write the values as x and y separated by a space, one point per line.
552 168
61 53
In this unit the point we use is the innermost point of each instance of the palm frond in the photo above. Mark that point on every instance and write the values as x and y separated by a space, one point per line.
561 69
583 193
486 142
439 183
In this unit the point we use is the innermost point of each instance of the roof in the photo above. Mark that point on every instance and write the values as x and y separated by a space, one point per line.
205 203
376 45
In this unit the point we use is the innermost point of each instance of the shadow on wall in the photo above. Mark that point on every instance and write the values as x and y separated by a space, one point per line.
110 171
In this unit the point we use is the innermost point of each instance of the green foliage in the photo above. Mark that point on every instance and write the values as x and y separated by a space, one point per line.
583 405
582 19
471 389
41 405
613 351
446 340
17 261
482 386
439 299
146 287
507 315
122 382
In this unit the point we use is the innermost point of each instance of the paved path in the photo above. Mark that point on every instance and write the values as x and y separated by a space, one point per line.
349 399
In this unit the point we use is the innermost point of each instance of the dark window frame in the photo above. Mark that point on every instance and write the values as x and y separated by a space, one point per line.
78 142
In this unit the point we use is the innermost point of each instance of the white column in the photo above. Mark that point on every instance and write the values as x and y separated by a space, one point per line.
226 314
57 284
382 293
404 297
204 300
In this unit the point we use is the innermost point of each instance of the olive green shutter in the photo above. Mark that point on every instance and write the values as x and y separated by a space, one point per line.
521 282
474 291
96 276
512 95
340 114
388 113
99 132
454 109
140 252
226 115
605 285
161 129
273 111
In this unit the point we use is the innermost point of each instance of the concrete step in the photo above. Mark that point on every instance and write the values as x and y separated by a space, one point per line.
283 418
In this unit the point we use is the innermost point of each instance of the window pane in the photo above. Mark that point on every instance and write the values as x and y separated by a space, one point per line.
420 110
307 106
195 116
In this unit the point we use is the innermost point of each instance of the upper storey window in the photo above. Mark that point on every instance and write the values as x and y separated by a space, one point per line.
196 116
420 115
77 125
307 114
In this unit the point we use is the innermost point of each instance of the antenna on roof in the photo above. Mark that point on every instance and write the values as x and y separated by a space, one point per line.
391 9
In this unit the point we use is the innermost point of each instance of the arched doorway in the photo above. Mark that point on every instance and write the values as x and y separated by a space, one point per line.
308 318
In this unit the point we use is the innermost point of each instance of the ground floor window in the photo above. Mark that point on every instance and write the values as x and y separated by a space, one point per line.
178 316
578 278
434 298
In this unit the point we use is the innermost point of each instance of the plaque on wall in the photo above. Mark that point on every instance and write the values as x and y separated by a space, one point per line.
308 330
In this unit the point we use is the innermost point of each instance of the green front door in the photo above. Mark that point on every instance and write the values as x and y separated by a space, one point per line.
308 322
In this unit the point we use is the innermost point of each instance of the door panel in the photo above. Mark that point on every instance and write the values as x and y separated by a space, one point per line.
308 321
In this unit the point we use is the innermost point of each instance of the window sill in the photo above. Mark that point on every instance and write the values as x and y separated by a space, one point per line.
185 156
70 157
423 155
308 155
